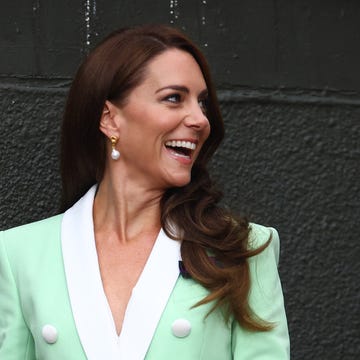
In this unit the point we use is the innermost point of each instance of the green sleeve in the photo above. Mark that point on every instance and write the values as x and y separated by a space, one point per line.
266 300
16 341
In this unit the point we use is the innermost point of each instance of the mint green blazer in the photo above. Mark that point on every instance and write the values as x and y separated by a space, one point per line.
49 309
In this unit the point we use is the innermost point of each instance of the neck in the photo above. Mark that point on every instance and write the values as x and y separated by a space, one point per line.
125 209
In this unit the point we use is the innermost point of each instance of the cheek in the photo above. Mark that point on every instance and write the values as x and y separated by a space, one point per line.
149 118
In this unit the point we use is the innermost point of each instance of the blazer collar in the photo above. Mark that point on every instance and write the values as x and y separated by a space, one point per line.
91 311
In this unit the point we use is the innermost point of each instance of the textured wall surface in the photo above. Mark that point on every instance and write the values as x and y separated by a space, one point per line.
289 85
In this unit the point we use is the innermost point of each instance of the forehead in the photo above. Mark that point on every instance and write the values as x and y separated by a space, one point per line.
176 67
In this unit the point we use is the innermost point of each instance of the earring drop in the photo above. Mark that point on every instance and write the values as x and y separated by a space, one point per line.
115 154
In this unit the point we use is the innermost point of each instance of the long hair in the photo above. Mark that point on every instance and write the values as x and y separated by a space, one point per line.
110 72
115 67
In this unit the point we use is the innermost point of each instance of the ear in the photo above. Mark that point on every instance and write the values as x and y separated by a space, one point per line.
109 122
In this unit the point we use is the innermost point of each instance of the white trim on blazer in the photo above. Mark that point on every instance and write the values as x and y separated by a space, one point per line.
91 311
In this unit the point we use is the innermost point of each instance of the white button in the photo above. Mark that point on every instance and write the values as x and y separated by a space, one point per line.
181 327
49 333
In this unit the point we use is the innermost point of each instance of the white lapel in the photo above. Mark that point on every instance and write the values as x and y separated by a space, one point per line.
149 298
90 308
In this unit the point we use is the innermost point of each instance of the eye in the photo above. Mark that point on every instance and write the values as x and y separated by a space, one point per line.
203 103
173 98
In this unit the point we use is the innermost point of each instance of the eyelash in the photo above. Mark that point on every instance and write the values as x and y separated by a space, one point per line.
204 105
172 96
176 98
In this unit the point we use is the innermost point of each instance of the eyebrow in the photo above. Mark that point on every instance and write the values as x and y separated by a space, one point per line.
174 87
181 88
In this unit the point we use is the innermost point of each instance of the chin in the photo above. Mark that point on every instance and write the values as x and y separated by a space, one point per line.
180 181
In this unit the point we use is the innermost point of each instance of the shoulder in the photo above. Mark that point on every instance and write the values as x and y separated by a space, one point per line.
36 226
259 235
34 235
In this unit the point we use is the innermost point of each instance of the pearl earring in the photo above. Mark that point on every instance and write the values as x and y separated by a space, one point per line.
115 154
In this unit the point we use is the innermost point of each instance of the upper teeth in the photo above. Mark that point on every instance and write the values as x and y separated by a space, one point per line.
184 144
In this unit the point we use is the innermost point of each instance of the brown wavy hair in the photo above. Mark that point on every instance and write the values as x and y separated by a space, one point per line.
214 243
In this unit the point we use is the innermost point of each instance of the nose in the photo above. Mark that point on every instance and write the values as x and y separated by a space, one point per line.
196 118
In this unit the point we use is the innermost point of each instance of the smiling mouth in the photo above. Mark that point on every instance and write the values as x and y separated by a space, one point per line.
181 148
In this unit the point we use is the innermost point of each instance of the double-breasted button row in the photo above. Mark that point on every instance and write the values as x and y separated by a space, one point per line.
180 328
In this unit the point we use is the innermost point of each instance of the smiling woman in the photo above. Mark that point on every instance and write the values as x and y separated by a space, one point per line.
143 263
166 108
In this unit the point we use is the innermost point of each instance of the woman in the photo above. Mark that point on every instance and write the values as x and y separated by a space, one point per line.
143 263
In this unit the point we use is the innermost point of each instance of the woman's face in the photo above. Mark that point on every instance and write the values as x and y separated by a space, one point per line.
163 124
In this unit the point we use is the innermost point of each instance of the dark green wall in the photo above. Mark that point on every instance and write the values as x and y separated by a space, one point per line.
289 84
